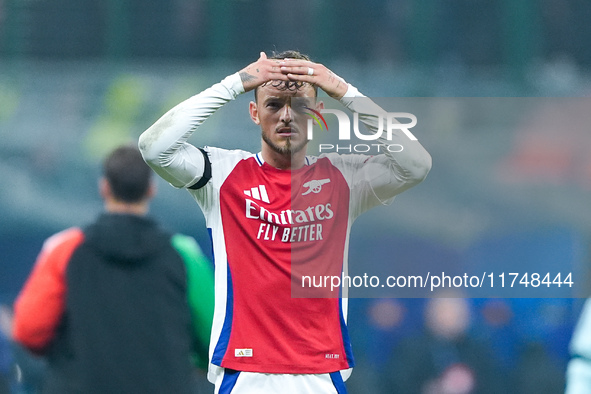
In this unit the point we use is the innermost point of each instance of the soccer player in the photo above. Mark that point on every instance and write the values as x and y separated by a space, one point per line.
278 208
119 306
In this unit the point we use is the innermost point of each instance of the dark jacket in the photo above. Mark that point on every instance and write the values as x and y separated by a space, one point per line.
125 324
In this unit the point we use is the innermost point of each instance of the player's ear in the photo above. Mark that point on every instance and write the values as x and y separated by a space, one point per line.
254 112
152 190
319 105
104 188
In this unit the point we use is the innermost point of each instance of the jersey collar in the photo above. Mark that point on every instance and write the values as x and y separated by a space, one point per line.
259 159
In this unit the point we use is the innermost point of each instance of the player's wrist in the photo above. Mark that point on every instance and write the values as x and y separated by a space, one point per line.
349 95
340 91
351 92
234 84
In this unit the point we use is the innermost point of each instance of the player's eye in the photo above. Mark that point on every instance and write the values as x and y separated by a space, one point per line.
298 105
274 105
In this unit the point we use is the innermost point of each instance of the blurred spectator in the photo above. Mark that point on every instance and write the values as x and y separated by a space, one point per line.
540 359
496 324
537 372
386 320
445 358
120 305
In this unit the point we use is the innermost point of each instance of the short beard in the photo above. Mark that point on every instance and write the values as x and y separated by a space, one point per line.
287 149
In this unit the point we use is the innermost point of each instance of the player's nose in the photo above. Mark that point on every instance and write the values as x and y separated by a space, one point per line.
286 114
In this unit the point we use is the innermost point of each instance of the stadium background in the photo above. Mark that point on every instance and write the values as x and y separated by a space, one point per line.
79 77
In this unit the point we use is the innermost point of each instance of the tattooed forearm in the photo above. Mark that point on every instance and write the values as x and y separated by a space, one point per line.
246 77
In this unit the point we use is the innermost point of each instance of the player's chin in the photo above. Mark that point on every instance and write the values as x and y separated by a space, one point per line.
295 146
286 145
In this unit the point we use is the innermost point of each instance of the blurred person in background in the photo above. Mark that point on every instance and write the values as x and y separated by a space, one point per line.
119 306
259 208
445 358
578 372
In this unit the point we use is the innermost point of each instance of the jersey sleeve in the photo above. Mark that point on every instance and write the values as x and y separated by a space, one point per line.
40 305
164 145
200 294
389 173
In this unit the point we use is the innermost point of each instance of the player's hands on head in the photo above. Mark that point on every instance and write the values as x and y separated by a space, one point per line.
314 73
260 72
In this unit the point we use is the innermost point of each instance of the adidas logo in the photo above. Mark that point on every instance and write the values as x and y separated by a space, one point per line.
258 193
242 352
